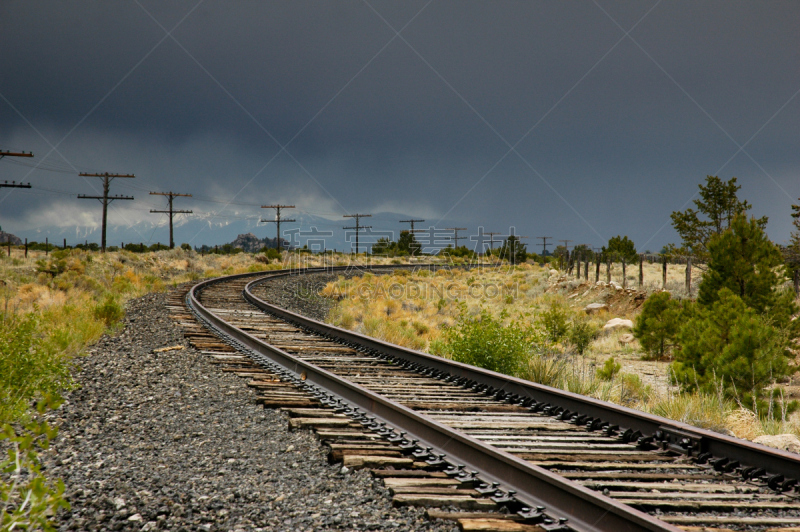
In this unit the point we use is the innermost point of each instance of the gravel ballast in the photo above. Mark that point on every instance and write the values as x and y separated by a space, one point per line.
167 441
301 293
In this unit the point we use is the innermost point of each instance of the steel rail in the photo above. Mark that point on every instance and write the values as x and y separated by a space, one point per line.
671 433
584 509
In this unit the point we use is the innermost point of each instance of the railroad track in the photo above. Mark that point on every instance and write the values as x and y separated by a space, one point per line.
510 454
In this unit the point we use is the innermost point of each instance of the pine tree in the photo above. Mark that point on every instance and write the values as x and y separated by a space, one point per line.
728 345
719 205
743 260
621 247
513 250
658 325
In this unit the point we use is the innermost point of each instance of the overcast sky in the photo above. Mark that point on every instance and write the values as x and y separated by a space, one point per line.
575 120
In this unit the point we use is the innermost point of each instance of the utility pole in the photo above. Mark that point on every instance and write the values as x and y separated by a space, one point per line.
14 184
492 240
358 226
412 229
277 219
566 244
105 199
170 195
455 231
544 243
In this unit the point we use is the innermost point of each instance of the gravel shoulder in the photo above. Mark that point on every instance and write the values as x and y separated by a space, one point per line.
167 441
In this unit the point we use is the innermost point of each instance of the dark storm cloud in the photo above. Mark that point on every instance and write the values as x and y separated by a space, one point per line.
610 133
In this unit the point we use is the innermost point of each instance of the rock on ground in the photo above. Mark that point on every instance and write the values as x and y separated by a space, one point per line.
787 442
591 308
617 323
166 441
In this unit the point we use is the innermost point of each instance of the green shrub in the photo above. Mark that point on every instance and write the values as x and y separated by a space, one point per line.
699 409
633 390
420 327
31 365
272 254
729 346
544 368
609 369
658 325
581 334
109 311
485 342
28 499
554 321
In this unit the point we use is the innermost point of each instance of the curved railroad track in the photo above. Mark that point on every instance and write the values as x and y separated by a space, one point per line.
445 434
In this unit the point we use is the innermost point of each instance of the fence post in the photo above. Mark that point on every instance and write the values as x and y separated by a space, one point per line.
65 243
26 247
663 273
46 246
577 266
597 268
586 268
608 269
689 276
797 283
9 245
641 271
624 276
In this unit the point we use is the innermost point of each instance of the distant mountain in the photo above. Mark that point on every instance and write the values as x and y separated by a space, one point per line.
5 237
251 243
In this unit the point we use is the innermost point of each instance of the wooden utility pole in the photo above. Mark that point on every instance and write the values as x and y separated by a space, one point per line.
105 199
412 229
492 240
277 220
170 195
358 226
566 244
14 184
544 243
455 231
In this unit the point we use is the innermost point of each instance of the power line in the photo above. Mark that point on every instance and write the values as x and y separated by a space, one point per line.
105 199
14 184
170 196
358 226
277 220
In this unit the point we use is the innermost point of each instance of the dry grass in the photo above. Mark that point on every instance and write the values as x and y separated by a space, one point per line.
414 308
